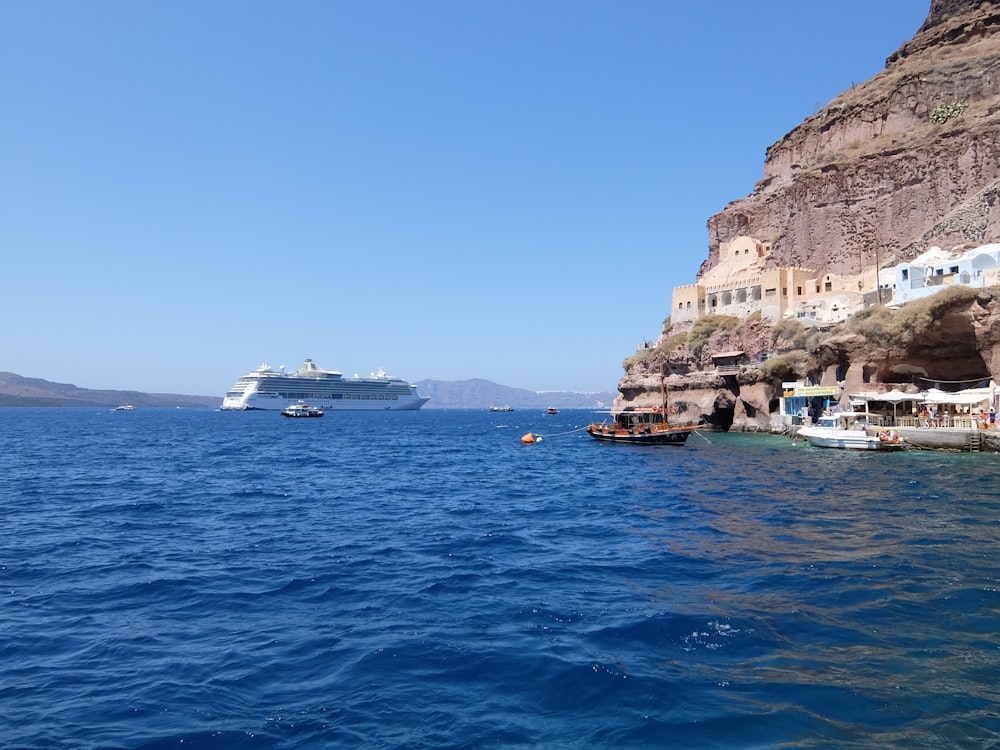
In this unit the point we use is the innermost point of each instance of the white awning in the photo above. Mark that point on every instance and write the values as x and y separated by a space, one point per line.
892 397
968 397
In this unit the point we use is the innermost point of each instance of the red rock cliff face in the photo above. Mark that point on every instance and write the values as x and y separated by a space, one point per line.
873 171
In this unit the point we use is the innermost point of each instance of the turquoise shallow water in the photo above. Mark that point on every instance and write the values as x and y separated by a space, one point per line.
185 578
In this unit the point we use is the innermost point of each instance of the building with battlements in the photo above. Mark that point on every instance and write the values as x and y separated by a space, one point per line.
741 284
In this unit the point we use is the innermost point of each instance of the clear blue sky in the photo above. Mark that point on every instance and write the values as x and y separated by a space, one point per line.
449 189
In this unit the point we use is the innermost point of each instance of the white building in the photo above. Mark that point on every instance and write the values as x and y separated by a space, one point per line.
937 269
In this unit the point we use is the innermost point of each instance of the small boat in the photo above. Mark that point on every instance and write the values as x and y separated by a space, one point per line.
505 407
849 430
125 407
643 426
552 410
301 410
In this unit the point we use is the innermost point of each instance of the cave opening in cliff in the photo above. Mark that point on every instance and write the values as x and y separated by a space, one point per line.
723 415
952 369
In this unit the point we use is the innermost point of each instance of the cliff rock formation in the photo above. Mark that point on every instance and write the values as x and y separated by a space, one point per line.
904 161
874 171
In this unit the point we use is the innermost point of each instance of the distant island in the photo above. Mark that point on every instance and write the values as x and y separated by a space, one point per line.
17 390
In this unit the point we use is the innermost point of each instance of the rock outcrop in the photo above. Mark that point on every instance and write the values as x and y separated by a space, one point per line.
902 162
878 170
948 339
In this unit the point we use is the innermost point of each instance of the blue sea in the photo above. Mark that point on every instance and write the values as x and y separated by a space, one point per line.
178 578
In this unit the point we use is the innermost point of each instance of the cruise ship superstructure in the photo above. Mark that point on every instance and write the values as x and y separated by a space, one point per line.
266 388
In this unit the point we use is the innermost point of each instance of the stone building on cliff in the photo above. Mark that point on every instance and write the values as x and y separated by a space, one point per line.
741 284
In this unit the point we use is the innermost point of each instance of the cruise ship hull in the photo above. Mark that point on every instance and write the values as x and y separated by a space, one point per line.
274 390
331 404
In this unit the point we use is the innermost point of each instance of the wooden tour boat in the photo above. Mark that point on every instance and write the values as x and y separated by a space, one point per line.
644 425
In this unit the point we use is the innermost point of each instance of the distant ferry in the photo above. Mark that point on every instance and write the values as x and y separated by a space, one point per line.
265 388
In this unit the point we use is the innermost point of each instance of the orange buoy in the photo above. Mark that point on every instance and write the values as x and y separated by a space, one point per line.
528 439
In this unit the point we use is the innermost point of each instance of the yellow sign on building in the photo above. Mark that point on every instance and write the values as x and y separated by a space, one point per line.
818 390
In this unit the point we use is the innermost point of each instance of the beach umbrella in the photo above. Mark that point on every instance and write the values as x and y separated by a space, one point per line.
896 397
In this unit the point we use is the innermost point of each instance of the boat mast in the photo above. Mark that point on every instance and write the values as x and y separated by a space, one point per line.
663 395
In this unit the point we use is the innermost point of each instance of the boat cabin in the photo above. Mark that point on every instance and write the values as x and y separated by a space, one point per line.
844 420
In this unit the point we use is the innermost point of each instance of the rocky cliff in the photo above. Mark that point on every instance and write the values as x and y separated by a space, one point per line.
884 167
948 339
904 161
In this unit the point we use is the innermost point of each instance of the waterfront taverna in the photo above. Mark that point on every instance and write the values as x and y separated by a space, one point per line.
931 419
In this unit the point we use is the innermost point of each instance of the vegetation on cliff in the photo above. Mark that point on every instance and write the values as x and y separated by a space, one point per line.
886 327
953 336
785 366
788 350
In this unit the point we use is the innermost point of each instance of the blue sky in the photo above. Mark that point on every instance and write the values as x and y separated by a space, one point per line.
447 189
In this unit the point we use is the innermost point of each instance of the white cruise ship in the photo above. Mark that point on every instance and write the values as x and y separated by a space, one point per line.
265 388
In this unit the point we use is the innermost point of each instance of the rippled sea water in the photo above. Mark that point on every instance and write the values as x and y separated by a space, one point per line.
200 579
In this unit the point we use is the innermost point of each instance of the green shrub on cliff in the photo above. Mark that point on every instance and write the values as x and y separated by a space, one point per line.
787 366
672 342
666 344
640 356
705 326
789 333
945 112
876 324
900 327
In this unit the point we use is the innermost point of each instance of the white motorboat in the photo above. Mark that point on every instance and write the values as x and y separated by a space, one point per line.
850 430
301 410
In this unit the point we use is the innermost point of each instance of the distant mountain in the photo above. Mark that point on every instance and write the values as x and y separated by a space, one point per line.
16 390
482 394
